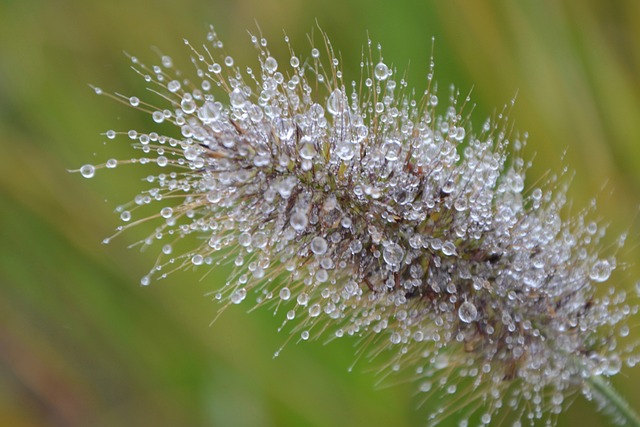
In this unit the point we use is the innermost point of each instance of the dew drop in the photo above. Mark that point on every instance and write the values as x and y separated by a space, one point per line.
314 310
173 86
271 65
285 294
302 299
307 150
238 296
395 338
244 239
345 150
236 98
467 312
319 245
88 171
381 71
134 101
188 105
393 254
157 116
335 102
600 271
125 216
391 149
299 221
111 163
322 275
166 212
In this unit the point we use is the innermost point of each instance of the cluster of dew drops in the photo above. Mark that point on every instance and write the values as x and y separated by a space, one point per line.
358 210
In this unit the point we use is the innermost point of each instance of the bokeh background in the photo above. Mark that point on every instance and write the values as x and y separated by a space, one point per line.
82 344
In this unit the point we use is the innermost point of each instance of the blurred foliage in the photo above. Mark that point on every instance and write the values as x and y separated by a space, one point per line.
82 344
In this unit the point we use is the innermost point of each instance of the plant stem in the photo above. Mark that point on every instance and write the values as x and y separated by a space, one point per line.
615 403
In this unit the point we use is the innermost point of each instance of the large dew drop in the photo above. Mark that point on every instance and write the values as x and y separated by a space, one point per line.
600 271
345 150
319 245
335 103
88 171
393 254
467 312
299 221
381 71
270 65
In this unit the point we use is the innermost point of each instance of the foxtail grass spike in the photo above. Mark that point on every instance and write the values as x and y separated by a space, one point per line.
363 208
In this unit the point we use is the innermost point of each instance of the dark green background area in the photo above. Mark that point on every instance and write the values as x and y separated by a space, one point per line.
82 344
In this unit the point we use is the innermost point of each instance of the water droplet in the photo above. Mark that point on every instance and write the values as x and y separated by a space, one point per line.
236 98
355 246
111 163
314 310
125 216
307 150
335 102
393 254
238 296
315 53
259 240
271 65
145 281
134 101
381 71
304 335
88 171
448 248
285 294
322 275
557 398
157 116
188 105
299 221
319 245
197 259
467 312
162 161
395 338
244 239
303 299
295 62
391 149
174 86
345 150
517 183
600 271
166 212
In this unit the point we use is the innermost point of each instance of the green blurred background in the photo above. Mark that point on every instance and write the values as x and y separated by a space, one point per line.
82 344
